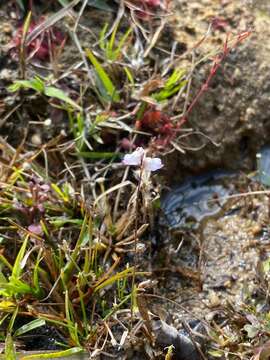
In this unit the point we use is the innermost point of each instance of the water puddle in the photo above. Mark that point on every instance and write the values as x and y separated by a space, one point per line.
199 197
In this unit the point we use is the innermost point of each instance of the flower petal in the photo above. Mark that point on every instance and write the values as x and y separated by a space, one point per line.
134 158
36 229
152 164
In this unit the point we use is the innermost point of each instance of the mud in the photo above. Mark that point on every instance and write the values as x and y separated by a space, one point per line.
217 260
234 112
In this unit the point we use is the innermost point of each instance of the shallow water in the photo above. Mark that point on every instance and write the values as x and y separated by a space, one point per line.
198 197
263 165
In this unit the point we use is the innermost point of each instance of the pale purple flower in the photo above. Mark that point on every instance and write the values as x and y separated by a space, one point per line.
135 158
152 164
45 187
35 229
138 158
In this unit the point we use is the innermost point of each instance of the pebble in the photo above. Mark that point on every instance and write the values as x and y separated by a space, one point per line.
5 74
6 28
250 113
214 299
26 166
256 229
36 139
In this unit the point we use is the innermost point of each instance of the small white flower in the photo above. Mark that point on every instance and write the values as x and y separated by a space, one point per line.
135 158
152 164
138 158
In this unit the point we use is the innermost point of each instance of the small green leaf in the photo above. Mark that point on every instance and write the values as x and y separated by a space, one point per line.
35 84
59 222
26 26
216 353
17 269
106 82
98 155
60 193
59 94
30 326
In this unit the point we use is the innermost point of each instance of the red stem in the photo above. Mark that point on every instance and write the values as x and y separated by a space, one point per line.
216 65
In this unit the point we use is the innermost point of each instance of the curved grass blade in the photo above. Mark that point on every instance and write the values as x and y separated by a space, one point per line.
54 355
105 81
30 326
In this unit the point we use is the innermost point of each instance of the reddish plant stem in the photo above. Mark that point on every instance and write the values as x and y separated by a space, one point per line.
217 62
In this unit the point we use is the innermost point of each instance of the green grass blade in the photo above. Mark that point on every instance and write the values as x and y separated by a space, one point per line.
35 84
103 77
37 288
54 355
21 5
68 269
111 43
59 94
122 43
121 275
72 327
98 155
17 269
102 36
10 353
129 76
30 326
26 26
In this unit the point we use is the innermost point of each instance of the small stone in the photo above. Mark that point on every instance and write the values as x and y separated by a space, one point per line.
250 113
210 316
237 73
5 74
214 299
26 166
256 230
36 139
13 15
7 29
63 133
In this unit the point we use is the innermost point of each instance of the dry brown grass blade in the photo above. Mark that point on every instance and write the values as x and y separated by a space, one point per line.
49 22
112 189
132 237
123 223
154 39
263 352
143 309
